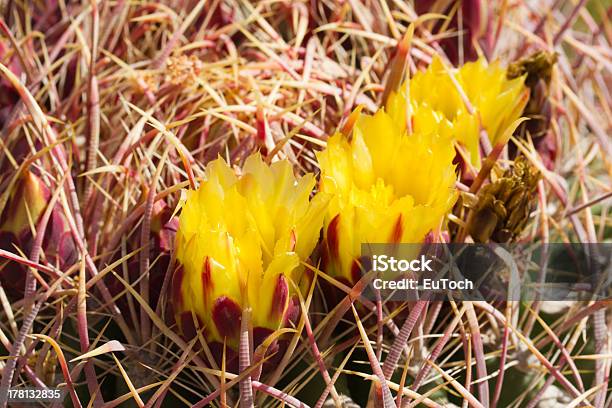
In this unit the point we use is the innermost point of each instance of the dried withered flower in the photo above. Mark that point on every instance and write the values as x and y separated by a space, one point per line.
538 67
182 69
538 71
503 207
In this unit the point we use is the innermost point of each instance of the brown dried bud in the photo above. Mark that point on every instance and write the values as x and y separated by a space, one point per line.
538 70
503 207
537 66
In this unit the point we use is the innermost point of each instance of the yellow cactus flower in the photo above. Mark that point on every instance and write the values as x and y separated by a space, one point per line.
387 185
240 242
497 101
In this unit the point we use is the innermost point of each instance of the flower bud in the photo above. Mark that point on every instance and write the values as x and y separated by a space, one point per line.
26 204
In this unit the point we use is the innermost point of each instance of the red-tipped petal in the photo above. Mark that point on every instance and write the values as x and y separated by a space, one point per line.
227 316
206 276
398 230
333 239
279 301
293 311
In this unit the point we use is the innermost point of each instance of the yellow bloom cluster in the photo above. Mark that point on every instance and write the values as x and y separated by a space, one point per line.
496 101
240 243
393 179
390 179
